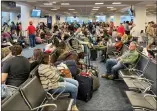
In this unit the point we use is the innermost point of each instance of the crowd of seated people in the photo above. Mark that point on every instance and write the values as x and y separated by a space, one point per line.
99 36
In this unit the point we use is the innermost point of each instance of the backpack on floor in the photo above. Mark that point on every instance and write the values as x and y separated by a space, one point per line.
85 89
94 75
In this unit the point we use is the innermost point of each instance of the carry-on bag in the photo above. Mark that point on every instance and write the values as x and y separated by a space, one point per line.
85 89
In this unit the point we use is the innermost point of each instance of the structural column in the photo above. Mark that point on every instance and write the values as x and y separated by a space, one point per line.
116 19
140 17
25 16
107 18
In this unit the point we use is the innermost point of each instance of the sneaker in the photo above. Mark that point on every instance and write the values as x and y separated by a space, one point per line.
111 77
30 48
74 108
104 76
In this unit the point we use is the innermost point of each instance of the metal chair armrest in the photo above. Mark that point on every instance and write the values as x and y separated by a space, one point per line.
52 95
45 105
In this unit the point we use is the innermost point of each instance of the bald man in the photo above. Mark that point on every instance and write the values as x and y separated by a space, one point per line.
114 65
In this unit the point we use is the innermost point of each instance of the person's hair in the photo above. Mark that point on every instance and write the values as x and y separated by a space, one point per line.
66 36
55 42
12 22
37 54
62 45
106 39
119 38
141 31
45 59
16 50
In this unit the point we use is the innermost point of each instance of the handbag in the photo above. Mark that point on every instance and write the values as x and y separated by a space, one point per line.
65 72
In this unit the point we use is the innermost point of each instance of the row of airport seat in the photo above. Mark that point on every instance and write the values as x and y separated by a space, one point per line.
141 80
31 96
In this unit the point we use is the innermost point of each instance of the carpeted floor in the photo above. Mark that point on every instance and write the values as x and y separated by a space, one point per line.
109 97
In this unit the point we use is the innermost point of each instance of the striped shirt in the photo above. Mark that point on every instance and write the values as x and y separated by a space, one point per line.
49 76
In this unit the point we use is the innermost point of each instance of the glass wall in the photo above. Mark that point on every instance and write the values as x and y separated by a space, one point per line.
80 20
126 18
100 18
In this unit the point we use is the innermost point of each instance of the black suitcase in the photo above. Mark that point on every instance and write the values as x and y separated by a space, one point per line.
93 54
85 90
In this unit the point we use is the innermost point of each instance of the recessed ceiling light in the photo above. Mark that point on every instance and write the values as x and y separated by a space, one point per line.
54 2
116 3
65 4
71 9
110 7
99 3
96 7
113 9
48 4
53 9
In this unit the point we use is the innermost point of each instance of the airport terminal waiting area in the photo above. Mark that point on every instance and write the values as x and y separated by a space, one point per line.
137 84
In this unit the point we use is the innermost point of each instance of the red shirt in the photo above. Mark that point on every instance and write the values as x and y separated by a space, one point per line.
31 29
121 30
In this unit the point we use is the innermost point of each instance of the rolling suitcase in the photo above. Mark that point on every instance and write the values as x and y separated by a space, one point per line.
93 54
85 89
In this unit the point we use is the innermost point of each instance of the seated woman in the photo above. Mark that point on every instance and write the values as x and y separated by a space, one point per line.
51 79
52 46
36 59
16 70
119 44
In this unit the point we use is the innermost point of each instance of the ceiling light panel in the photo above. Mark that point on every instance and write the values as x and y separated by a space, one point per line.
99 3
110 7
48 4
116 3
71 9
53 9
65 4
96 7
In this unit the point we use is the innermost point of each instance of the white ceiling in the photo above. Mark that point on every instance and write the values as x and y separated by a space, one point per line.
84 7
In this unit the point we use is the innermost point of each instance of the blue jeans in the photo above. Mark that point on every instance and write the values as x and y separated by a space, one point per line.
32 40
113 66
71 87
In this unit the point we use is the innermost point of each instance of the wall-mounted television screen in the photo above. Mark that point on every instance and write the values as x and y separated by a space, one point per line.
36 13
131 12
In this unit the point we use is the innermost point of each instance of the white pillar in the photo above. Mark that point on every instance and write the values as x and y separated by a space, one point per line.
53 19
62 19
140 17
116 19
25 16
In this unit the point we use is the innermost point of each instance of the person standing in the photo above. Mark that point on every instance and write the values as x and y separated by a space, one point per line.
126 26
150 32
31 32
121 29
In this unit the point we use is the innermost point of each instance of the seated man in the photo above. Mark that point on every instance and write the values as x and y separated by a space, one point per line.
114 65
16 70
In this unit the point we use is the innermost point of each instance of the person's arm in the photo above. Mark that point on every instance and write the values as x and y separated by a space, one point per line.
5 70
4 77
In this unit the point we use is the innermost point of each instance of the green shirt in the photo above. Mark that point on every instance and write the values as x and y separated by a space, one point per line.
129 57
